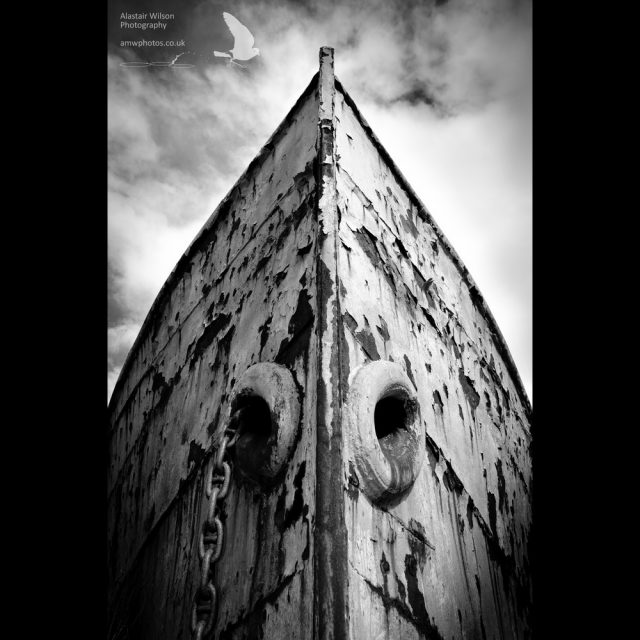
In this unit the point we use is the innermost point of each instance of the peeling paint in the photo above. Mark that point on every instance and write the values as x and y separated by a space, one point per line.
337 264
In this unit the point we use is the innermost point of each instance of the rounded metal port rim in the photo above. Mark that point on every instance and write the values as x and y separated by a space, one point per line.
389 470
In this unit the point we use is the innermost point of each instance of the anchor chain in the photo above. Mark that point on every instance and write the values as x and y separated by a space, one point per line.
211 539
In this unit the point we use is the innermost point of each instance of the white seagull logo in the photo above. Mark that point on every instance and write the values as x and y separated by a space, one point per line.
243 40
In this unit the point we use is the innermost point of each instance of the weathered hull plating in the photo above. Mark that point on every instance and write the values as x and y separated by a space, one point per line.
321 259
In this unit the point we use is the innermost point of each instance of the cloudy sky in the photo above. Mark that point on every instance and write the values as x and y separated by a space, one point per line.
445 85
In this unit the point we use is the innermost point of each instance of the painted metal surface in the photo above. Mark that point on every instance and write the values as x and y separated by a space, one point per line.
242 294
321 259
387 458
451 558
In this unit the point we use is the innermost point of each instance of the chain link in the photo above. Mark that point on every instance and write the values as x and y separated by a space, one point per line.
211 537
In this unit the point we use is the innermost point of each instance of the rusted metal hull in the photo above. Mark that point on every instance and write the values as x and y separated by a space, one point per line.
322 260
